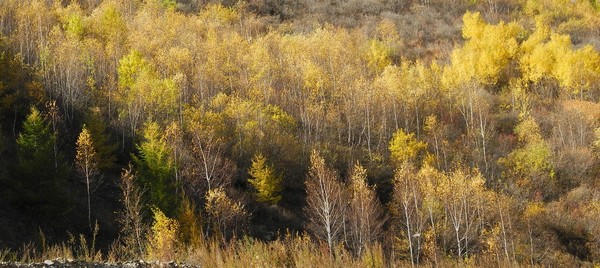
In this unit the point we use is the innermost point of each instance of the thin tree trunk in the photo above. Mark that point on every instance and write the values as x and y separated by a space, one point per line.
87 178
409 235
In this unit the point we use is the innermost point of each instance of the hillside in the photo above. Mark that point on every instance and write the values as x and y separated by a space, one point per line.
301 132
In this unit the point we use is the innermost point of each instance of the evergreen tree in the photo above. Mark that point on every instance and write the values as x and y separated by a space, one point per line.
38 185
156 171
103 146
264 180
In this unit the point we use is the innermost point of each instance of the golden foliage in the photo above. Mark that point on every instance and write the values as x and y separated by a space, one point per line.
487 53
85 157
163 241
227 216
264 180
405 147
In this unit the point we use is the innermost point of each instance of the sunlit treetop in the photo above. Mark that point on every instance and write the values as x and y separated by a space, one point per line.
487 51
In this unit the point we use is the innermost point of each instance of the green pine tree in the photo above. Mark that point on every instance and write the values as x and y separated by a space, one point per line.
38 184
156 170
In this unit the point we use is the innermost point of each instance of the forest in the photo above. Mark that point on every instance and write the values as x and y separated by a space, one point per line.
301 133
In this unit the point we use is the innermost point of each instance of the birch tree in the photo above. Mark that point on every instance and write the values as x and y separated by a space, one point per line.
408 210
325 202
365 215
87 166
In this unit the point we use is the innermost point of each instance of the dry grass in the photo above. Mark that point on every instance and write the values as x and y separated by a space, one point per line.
76 248
290 251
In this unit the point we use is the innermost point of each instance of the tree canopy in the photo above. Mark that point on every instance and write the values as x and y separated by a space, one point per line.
430 132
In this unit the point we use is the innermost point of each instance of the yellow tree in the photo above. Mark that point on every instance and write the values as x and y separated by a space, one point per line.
461 192
461 213
529 171
404 147
377 56
264 180
163 240
537 57
208 168
578 70
430 181
596 143
227 217
486 54
190 221
365 215
485 60
325 202
105 148
142 93
407 210
262 68
548 54
87 166
156 169
534 215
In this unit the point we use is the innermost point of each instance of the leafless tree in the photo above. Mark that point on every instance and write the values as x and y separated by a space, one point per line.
207 168
133 229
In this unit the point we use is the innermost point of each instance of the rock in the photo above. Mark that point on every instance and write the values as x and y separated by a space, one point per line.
66 263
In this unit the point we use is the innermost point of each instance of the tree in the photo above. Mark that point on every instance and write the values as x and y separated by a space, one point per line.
18 88
461 193
163 244
596 142
208 168
227 217
407 209
156 171
86 161
38 185
104 147
529 170
365 215
405 147
36 142
53 114
190 223
325 202
264 180
133 229
378 56
576 70
487 53
67 62
142 92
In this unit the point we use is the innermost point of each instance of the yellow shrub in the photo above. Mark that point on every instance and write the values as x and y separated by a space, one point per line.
163 238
